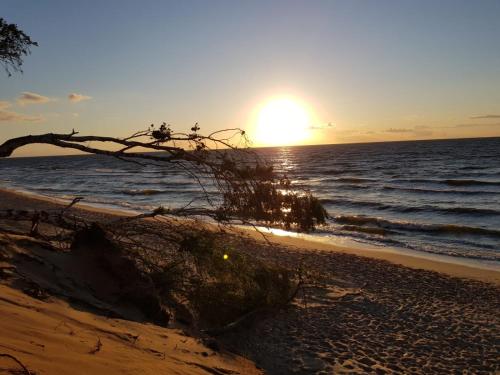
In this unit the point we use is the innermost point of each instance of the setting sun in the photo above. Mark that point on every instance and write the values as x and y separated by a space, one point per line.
282 122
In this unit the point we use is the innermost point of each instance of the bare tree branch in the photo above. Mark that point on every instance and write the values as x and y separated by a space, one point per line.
246 187
25 369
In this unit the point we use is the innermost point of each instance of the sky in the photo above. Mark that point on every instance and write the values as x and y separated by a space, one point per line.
365 70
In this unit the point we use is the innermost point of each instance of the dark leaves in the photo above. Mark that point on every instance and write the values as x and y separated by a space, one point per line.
14 45
163 134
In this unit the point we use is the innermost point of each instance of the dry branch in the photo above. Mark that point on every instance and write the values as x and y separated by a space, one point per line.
25 369
248 190
97 348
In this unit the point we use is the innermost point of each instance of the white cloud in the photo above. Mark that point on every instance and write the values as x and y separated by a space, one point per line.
32 98
75 98
480 117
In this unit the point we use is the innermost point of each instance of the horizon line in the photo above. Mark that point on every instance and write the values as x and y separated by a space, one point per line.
285 146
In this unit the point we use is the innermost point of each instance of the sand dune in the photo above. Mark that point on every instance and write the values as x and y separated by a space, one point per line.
79 333
51 337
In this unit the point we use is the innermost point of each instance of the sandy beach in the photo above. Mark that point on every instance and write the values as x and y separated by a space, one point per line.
360 312
262 187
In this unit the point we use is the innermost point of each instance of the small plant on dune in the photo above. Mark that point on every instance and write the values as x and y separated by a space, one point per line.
227 284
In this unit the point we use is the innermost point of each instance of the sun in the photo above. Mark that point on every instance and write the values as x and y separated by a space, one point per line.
282 122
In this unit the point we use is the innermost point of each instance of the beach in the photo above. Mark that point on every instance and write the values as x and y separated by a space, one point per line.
359 312
263 187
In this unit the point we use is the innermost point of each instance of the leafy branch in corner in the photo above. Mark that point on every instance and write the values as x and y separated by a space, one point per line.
14 45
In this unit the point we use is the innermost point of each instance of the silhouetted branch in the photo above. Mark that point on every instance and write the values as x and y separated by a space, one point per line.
25 369
14 45
246 187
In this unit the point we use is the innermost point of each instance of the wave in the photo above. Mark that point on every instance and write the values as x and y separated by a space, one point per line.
350 186
450 182
333 171
353 180
473 167
471 182
438 191
338 171
467 210
142 192
369 230
408 209
448 210
415 227
172 192
414 180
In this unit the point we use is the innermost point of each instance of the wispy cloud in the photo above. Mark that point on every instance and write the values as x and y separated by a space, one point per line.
32 98
481 117
474 125
399 130
75 98
319 127
4 104
418 130
11 116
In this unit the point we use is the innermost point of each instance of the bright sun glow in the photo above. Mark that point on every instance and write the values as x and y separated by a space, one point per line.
282 122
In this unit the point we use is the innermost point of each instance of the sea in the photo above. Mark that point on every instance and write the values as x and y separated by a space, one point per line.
431 197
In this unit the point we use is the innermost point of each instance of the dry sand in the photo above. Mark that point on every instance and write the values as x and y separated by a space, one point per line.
361 312
51 337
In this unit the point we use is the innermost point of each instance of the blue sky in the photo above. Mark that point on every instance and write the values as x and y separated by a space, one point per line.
377 70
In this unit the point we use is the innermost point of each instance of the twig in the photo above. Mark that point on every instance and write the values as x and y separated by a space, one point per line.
26 371
98 346
73 202
358 292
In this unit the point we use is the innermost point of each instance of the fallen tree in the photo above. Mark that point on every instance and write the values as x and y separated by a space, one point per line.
248 188
198 271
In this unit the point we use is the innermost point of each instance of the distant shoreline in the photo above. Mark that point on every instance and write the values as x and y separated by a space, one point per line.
457 267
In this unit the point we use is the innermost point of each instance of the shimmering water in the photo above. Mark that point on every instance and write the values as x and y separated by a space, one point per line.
434 196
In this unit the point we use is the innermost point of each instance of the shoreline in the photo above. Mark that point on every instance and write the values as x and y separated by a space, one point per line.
462 268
